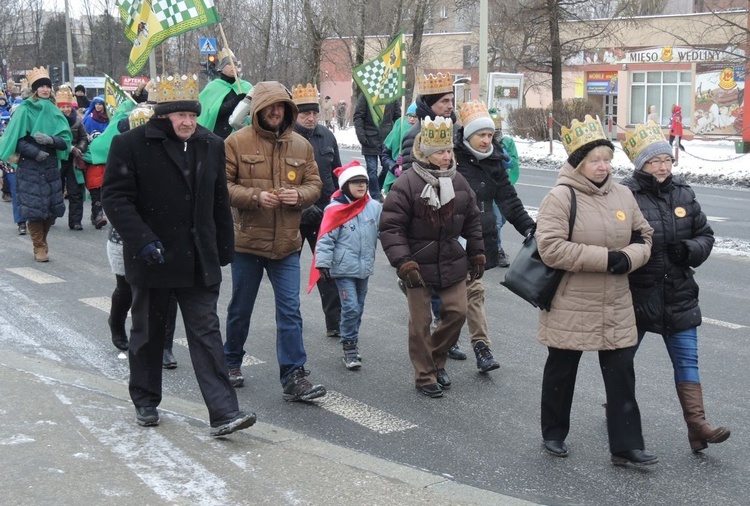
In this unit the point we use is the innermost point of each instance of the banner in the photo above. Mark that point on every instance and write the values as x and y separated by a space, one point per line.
114 95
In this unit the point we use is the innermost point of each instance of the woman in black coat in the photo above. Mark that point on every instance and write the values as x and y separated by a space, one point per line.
665 294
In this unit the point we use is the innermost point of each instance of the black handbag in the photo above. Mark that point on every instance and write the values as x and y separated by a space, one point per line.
529 277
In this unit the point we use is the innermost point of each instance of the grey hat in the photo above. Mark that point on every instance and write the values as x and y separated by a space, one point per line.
650 151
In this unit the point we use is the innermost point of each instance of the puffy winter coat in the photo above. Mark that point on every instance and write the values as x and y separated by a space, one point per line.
349 250
260 160
592 309
491 183
411 231
665 295
38 184
371 137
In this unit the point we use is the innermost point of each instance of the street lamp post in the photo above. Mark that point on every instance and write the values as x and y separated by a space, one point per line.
69 40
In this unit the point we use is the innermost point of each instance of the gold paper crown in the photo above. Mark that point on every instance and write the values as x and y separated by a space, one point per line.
470 111
36 73
140 115
225 53
305 94
64 95
642 137
435 84
176 87
580 134
436 134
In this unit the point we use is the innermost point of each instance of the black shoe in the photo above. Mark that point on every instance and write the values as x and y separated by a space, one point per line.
299 388
237 422
235 377
432 390
502 259
455 353
556 448
168 361
443 379
635 457
76 226
333 333
485 361
147 416
22 228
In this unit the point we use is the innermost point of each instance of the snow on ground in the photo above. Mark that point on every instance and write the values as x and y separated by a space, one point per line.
704 162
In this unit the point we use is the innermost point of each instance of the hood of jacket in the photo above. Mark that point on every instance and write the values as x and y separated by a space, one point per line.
269 92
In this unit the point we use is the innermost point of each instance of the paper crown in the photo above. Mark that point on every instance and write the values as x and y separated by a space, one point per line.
469 111
36 73
225 53
140 115
64 96
436 134
174 88
439 84
580 134
305 94
640 138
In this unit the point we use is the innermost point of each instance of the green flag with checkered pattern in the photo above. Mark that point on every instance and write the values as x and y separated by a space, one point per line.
148 23
382 80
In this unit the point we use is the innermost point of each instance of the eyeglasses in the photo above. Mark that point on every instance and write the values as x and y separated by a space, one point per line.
657 163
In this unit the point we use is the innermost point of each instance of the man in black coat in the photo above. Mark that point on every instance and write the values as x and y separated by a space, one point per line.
327 157
165 191
371 137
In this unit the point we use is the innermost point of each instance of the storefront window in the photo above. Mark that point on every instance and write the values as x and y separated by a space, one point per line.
662 89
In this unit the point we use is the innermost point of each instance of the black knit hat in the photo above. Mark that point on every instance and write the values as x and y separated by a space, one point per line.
431 99
42 81
80 87
577 156
163 108
308 107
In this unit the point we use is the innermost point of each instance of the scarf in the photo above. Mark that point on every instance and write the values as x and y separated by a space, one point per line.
334 217
477 154
441 179
100 117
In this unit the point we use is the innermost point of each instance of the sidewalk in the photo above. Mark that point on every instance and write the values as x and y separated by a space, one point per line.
68 436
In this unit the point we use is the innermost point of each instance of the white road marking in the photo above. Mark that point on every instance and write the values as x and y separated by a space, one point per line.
103 303
247 360
734 326
367 416
718 219
35 275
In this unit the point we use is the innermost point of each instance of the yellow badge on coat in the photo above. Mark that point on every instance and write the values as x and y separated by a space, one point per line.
620 215
680 212
291 175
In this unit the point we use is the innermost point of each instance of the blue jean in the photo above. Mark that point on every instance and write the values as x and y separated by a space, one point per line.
12 182
352 292
683 352
500 222
371 161
435 305
247 273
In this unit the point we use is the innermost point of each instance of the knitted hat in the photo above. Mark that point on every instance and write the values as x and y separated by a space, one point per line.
412 109
349 171
644 143
475 117
80 87
176 94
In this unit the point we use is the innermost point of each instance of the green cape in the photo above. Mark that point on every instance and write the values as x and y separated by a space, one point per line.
32 116
393 143
99 147
212 97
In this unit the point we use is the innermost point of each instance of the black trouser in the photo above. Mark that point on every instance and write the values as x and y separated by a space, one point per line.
623 415
75 193
96 203
122 299
198 308
329 293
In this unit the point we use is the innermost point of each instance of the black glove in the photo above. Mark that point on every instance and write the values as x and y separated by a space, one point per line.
677 253
43 139
636 238
325 273
617 262
152 253
529 232
41 156
239 98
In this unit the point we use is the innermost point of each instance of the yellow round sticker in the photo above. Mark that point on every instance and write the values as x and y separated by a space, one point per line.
680 212
620 215
291 175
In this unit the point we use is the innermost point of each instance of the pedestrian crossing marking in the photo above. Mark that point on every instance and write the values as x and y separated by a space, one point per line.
247 360
733 326
362 414
35 275
103 303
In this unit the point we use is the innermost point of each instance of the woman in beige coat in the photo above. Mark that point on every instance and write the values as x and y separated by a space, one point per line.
592 309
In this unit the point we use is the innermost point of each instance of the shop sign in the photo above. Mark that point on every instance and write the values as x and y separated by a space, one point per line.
601 83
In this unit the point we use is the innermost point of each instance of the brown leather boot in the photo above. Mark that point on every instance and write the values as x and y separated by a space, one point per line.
700 433
36 231
47 225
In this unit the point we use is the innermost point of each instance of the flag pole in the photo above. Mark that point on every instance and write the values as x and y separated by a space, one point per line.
231 60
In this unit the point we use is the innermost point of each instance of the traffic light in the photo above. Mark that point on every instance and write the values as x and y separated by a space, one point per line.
55 76
211 64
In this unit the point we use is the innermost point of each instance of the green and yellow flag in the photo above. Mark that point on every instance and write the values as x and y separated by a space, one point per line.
114 95
383 79
148 23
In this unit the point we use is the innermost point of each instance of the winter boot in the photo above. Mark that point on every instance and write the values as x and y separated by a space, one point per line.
700 433
36 231
97 214
298 388
485 361
47 226
351 358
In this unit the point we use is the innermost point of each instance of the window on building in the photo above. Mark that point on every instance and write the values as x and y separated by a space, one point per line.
662 89
443 12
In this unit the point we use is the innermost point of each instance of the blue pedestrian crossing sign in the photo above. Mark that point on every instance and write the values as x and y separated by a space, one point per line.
207 45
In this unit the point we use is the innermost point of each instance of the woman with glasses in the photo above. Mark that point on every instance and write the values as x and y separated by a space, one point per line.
665 294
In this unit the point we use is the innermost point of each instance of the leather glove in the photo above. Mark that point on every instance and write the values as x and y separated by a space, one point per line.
325 273
636 238
529 232
677 253
152 253
43 139
617 262
41 156
409 272
477 267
